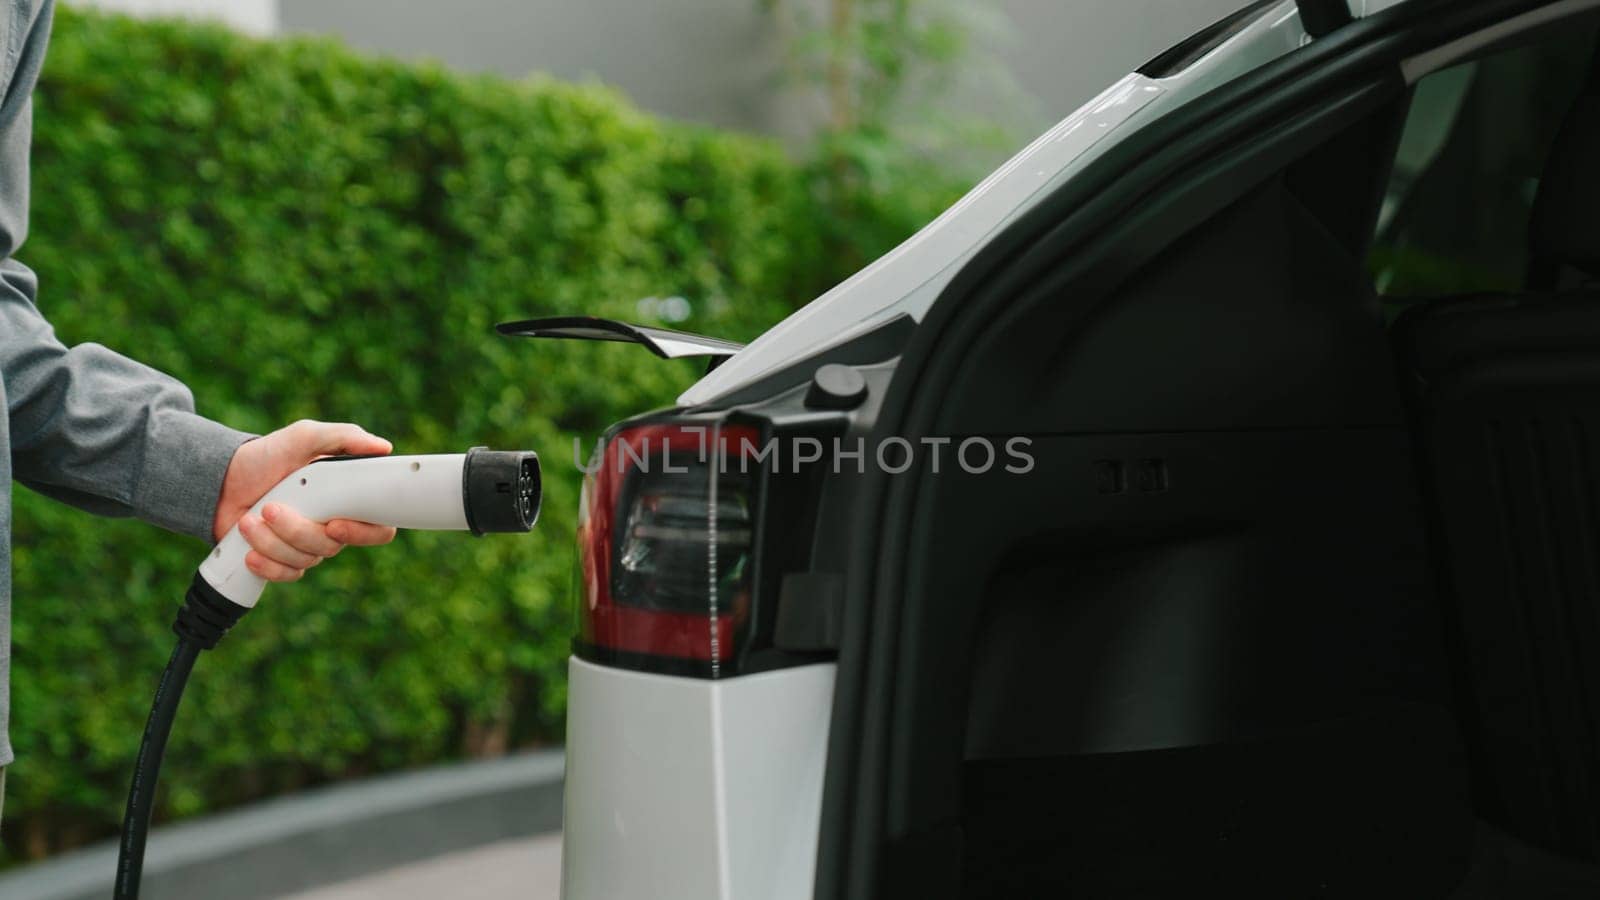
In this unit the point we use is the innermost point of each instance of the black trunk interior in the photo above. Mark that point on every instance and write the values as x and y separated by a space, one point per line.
1297 603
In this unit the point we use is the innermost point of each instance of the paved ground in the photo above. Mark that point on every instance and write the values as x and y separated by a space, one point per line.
528 869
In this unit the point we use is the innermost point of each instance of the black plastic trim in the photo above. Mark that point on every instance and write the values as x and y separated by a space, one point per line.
642 662
809 604
878 345
1186 53
1321 17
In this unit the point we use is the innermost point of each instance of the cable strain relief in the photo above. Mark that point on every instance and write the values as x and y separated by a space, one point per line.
206 615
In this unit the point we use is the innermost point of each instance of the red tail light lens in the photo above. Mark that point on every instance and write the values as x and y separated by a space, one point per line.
666 546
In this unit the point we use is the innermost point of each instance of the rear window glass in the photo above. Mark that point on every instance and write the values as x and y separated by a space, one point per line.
1456 210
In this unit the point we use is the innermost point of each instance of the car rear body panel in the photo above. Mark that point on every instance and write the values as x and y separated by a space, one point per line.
693 788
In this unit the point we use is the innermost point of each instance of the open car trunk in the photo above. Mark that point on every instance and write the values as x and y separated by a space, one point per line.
1297 601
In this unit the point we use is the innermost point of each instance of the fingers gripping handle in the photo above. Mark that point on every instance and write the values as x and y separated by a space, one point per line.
402 491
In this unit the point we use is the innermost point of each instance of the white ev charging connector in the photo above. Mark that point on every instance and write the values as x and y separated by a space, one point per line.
478 491
481 491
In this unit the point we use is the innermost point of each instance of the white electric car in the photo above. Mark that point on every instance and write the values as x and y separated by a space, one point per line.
1207 504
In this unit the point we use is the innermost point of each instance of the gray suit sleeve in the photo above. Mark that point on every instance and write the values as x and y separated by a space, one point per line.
87 425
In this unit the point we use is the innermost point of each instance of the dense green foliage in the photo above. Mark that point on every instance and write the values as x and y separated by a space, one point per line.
296 231
915 101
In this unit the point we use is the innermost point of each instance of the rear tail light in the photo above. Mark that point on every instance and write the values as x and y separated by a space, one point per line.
666 547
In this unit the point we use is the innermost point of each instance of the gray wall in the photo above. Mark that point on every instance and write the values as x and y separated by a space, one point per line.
720 61
1062 52
713 61
258 17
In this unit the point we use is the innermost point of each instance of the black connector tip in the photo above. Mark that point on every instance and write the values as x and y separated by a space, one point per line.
501 490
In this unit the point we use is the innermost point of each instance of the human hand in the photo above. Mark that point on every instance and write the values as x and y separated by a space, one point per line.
284 543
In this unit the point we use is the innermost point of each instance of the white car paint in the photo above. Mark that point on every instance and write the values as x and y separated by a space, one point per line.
908 279
694 789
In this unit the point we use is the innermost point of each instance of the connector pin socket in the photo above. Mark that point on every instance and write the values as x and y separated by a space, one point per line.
501 490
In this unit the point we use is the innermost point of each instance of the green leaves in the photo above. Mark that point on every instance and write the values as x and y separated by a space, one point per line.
295 231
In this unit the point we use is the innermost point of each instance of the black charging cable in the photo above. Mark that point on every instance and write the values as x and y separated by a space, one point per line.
500 492
202 621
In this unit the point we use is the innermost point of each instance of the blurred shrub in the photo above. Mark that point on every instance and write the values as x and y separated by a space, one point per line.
901 137
296 231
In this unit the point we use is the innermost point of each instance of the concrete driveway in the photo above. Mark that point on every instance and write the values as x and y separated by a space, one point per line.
525 869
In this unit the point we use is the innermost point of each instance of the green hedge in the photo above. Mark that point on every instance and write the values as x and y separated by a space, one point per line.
296 231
